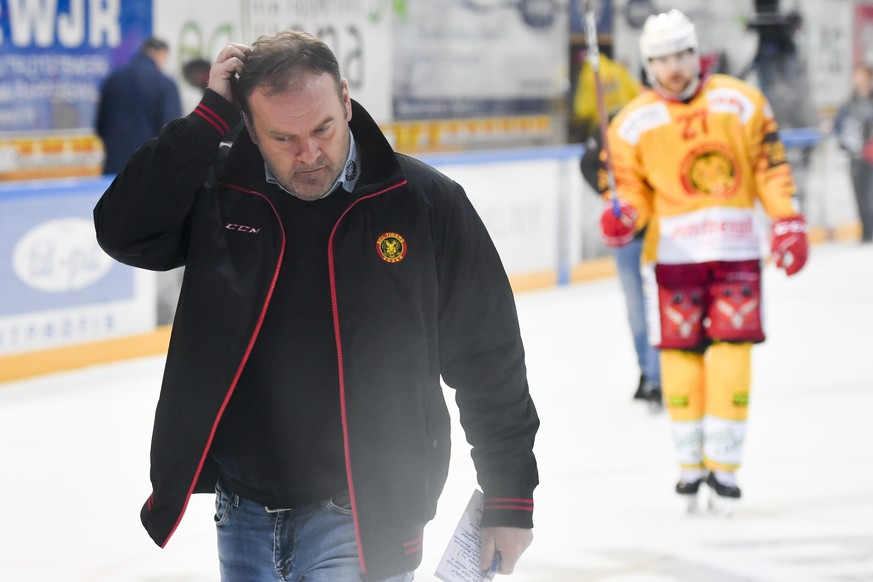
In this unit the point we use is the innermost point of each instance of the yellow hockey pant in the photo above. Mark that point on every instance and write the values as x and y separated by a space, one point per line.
707 396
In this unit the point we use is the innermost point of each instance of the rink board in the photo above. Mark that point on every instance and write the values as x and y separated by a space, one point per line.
57 287
54 294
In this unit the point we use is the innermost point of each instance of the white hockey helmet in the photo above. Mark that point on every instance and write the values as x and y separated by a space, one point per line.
666 34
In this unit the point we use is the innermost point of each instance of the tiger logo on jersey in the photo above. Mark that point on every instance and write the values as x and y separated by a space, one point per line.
391 247
710 170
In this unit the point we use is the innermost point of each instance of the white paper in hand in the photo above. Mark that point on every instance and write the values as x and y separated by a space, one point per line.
460 562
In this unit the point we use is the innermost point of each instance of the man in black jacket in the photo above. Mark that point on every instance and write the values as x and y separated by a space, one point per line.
329 283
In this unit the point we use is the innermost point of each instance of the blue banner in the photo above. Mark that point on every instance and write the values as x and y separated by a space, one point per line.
57 286
55 54
50 259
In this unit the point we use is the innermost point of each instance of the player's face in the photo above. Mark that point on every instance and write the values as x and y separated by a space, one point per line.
675 72
303 133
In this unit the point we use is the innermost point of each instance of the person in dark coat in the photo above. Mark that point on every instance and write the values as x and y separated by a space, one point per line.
136 101
330 284
853 127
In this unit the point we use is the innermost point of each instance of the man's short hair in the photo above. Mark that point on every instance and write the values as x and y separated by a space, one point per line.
278 60
196 72
152 44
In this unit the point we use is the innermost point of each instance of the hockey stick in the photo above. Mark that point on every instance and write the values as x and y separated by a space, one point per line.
594 60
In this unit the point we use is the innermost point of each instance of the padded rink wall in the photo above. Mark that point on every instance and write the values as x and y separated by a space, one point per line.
65 304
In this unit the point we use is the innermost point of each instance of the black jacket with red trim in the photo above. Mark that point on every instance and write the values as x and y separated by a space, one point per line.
441 306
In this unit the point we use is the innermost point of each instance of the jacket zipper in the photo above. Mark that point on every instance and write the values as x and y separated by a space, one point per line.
342 383
242 363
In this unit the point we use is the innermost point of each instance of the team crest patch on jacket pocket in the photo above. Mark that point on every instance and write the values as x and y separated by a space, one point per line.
391 247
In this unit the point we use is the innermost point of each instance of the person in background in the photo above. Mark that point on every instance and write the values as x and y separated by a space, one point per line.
618 87
853 127
196 73
330 283
136 100
692 158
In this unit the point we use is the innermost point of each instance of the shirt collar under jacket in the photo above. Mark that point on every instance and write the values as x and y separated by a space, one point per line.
347 178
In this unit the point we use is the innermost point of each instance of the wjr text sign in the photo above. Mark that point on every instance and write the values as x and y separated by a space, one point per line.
55 53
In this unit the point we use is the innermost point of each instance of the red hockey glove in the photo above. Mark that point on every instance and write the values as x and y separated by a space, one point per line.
617 231
790 247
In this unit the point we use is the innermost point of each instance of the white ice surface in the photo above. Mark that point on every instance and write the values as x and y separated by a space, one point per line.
74 455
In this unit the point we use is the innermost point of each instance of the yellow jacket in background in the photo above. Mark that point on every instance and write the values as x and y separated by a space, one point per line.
694 171
618 86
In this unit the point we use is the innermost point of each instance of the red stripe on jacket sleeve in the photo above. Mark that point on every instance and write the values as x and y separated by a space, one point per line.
512 503
213 118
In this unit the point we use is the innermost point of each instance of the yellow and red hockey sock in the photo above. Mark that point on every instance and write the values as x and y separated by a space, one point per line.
728 371
682 382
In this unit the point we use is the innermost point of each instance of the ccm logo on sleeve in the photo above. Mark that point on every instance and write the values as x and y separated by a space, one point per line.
242 228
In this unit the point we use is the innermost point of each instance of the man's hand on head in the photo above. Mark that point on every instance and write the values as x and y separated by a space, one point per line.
230 62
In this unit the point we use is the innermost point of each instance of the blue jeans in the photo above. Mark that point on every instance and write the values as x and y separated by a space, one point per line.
627 260
315 543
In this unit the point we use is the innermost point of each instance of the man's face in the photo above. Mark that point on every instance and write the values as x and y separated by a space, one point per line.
160 57
675 72
303 133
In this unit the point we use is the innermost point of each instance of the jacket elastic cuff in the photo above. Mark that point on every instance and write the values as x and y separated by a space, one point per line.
217 112
507 512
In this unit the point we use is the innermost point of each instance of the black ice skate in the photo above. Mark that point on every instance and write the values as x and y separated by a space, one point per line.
650 393
723 498
640 393
654 398
687 491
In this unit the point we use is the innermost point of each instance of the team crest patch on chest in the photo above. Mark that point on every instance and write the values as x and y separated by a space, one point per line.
391 247
710 170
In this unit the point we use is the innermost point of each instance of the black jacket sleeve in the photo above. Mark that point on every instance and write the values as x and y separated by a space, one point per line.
482 358
141 220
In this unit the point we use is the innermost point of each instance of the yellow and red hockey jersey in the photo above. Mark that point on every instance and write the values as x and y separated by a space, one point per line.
694 171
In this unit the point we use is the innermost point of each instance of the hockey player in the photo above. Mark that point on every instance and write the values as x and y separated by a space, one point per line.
692 157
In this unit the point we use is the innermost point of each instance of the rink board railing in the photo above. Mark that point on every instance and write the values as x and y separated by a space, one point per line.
64 303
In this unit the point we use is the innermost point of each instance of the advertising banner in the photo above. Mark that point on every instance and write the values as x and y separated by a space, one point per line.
825 39
358 32
521 220
53 56
468 58
57 286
